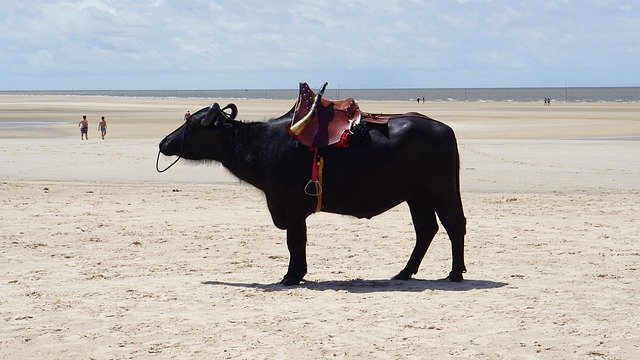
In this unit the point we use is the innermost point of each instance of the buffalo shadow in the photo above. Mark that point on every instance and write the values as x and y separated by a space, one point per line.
359 286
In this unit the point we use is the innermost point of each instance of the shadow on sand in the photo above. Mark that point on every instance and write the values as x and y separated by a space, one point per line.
371 286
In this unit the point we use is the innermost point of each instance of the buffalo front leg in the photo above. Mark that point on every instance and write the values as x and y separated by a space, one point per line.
426 226
297 245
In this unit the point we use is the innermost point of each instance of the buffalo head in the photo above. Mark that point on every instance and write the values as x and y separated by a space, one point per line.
196 138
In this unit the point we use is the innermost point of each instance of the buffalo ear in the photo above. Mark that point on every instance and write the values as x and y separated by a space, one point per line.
212 115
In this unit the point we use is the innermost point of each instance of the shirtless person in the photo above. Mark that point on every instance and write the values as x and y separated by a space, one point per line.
84 128
102 126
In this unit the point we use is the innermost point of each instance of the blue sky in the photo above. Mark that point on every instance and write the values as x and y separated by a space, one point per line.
228 44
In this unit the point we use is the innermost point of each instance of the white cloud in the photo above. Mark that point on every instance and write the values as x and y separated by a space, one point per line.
42 59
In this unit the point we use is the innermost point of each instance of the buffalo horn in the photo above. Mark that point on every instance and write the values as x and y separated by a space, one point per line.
234 110
212 113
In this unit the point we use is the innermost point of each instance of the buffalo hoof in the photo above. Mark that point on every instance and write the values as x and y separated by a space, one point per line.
402 275
290 281
454 277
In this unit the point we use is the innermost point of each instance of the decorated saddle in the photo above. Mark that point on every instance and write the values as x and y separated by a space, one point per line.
317 122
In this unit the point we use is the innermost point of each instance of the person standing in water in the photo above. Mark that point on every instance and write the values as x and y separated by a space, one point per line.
84 128
102 126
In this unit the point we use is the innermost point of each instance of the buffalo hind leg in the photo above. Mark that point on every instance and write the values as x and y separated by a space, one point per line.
452 218
426 226
297 245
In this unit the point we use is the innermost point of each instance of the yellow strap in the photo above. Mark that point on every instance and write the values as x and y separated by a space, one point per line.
319 190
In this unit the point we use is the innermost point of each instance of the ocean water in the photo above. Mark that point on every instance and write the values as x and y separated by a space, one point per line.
569 94
30 125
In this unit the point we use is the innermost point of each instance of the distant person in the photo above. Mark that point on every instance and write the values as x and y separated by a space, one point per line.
102 126
423 99
418 100
187 115
84 128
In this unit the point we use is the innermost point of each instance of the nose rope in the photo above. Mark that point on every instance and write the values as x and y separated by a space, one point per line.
167 168
184 136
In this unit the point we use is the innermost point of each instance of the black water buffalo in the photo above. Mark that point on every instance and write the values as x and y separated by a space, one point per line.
412 158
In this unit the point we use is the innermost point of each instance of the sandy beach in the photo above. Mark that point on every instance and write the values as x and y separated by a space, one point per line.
104 258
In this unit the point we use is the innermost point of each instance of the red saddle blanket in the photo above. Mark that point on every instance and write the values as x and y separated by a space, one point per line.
332 120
